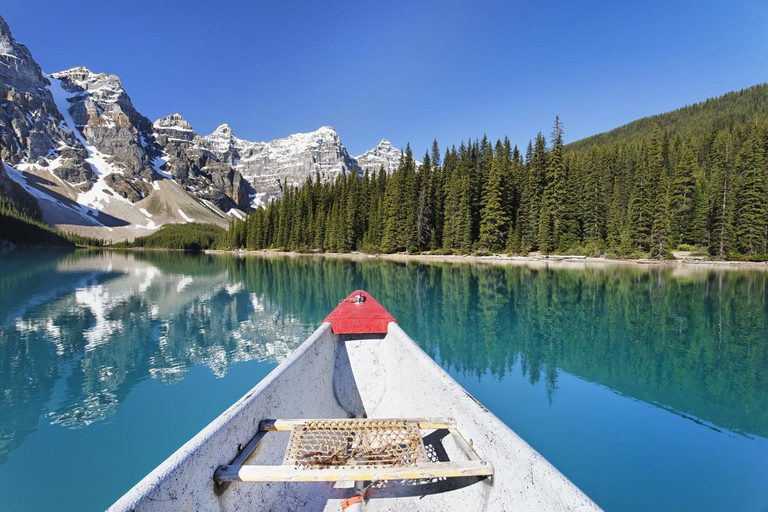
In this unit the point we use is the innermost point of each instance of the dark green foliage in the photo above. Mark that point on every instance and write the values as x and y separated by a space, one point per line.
752 193
682 198
721 196
697 177
594 202
20 201
494 225
658 197
21 223
733 108
21 230
186 237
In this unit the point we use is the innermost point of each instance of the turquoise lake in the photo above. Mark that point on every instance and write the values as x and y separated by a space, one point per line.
647 387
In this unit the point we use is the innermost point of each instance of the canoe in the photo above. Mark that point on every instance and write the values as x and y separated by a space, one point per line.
357 418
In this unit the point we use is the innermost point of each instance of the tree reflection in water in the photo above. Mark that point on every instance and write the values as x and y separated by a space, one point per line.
96 324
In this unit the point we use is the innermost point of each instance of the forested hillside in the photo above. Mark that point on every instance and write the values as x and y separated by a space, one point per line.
645 195
733 108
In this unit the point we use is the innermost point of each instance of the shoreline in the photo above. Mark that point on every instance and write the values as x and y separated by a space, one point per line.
539 261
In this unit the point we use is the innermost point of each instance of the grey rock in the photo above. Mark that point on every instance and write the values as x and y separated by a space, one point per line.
133 190
105 116
269 166
198 169
31 126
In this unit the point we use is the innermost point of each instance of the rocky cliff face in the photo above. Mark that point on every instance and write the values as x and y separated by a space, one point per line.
270 166
384 155
74 144
32 129
192 165
103 113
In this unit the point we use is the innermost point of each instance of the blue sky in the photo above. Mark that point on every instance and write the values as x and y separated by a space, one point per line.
405 71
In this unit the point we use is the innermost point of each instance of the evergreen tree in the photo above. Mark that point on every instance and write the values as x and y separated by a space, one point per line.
752 195
682 197
546 240
354 214
408 231
640 208
615 217
699 211
721 189
436 199
555 190
537 163
393 209
495 219
593 203
660 247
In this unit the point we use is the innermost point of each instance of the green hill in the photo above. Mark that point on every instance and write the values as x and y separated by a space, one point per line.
186 237
733 108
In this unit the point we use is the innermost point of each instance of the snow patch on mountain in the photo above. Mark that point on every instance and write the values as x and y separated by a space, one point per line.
84 212
185 216
100 193
290 161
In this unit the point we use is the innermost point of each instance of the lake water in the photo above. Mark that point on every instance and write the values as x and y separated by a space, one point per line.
648 388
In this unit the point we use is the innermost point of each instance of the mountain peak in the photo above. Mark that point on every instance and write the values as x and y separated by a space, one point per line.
76 70
87 80
174 122
77 74
223 129
171 120
6 40
383 155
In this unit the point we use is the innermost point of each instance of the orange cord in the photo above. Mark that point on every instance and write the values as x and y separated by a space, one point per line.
351 501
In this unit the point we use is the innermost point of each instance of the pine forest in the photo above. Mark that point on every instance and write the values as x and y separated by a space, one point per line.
685 181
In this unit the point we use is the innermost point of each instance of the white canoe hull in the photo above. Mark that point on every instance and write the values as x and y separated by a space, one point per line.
338 376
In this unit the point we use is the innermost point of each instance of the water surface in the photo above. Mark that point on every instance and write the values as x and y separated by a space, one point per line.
646 387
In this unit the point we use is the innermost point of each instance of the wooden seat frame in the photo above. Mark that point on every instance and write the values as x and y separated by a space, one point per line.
237 471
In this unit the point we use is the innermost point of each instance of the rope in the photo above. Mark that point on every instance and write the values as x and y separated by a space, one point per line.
358 299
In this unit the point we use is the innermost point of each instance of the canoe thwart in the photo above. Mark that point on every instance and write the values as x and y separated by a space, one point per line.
424 470
356 449
286 425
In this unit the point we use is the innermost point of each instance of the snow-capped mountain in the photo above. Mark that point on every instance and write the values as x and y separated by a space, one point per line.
287 162
96 166
267 167
74 141
384 155
98 111
31 126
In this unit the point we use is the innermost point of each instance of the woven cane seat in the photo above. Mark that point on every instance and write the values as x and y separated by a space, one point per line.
319 444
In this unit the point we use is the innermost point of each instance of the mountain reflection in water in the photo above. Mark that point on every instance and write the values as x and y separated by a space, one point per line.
101 322
97 324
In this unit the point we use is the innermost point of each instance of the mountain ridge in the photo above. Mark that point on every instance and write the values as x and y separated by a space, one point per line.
75 141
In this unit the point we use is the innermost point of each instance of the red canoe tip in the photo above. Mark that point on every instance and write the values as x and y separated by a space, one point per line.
359 314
